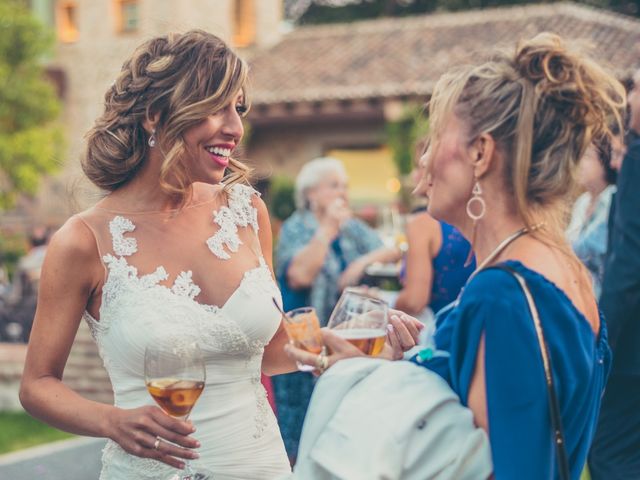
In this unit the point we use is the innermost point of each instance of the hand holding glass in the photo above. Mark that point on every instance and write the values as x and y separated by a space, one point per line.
361 320
175 375
303 329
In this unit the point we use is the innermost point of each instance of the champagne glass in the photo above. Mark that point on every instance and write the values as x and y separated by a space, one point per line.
361 320
175 375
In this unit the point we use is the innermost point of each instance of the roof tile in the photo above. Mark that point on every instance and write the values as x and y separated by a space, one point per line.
405 56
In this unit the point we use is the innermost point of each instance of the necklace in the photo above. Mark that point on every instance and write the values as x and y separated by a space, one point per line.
494 254
503 245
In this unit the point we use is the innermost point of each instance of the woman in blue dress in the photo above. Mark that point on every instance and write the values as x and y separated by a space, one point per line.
506 138
434 268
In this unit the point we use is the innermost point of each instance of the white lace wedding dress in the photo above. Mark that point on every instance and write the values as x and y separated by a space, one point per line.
164 276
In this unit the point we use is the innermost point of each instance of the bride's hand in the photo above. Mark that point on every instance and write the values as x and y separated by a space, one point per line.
339 348
402 336
138 430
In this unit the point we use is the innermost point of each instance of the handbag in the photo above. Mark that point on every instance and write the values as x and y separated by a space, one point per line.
554 407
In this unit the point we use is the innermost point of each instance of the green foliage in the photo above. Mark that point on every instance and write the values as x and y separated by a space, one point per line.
19 431
281 197
403 134
31 141
12 248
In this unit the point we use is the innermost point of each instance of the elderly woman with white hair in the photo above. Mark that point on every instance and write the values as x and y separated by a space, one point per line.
322 249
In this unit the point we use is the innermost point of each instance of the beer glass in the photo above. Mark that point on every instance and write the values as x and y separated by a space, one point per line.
361 320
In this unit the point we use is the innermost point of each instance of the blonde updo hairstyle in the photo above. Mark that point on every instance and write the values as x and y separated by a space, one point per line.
543 105
183 78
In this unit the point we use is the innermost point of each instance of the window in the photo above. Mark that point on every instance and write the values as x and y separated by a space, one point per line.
127 15
244 19
67 21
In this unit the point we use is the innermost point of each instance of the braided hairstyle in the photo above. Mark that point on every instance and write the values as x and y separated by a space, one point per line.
182 78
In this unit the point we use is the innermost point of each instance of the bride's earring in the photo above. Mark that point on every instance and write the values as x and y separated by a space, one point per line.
476 208
152 138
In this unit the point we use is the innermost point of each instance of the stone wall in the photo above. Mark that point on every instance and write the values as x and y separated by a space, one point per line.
84 372
89 65
11 365
285 148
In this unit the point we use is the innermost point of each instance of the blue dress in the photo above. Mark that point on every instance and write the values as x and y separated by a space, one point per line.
519 423
449 272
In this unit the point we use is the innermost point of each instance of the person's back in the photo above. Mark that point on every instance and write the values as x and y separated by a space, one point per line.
491 308
507 137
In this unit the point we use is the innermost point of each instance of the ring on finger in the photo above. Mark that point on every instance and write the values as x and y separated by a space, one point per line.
156 444
322 362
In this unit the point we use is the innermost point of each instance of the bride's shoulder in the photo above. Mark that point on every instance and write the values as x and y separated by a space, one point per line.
74 241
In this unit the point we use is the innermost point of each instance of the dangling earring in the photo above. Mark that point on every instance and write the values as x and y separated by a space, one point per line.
152 138
475 216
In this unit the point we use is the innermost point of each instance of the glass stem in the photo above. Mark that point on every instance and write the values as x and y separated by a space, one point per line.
188 471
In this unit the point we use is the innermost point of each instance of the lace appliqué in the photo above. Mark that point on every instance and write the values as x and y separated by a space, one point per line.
227 235
116 462
239 213
184 286
97 329
122 246
120 273
260 278
240 204
262 407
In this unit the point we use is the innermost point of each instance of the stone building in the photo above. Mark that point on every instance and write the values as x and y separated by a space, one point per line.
332 88
94 37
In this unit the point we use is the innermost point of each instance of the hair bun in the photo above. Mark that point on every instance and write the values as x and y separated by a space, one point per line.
570 82
545 58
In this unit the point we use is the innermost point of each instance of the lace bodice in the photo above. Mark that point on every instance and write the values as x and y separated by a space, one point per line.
197 274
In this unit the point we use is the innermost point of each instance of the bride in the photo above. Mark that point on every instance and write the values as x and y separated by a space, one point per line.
169 251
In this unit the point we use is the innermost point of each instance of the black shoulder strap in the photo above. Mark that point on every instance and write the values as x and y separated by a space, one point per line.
554 406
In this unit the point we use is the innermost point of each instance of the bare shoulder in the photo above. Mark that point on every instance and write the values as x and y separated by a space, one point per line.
422 228
423 222
263 213
563 270
259 204
73 251
74 238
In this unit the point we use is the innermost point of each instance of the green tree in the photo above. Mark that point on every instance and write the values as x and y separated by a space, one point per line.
281 197
31 140
402 136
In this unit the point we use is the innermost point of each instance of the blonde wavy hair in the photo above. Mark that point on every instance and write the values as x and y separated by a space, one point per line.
543 105
182 78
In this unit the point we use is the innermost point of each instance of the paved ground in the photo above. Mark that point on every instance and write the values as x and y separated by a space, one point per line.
76 459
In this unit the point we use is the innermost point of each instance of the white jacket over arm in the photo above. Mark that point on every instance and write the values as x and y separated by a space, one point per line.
372 419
